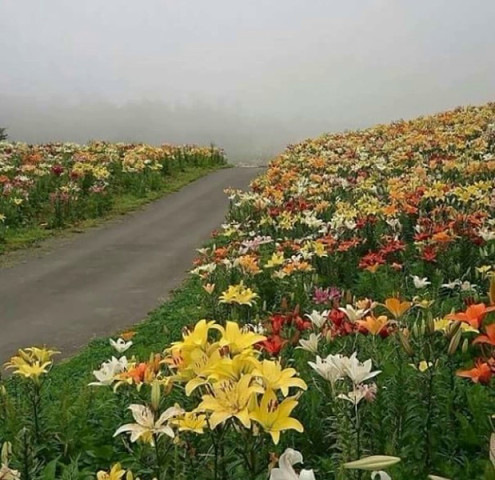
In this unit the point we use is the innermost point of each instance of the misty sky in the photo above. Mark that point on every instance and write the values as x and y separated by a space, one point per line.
253 75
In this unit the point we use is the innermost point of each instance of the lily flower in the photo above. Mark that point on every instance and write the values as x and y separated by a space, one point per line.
274 417
116 473
285 470
108 371
420 282
318 319
120 344
191 422
230 399
146 427
489 338
276 378
396 307
239 294
328 368
236 338
311 344
353 314
360 392
359 372
480 373
374 325
473 315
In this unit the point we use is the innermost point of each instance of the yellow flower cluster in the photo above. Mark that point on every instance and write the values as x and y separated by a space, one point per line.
239 294
231 380
32 362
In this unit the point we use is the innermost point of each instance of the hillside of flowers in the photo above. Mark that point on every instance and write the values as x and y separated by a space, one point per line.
58 184
344 329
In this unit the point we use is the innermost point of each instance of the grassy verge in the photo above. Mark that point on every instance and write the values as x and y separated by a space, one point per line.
16 239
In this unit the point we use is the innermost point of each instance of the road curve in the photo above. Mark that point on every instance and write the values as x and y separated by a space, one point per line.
110 277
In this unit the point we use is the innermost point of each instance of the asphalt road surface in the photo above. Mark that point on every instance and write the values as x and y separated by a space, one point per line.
110 277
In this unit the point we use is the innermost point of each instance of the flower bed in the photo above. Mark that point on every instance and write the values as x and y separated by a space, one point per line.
348 320
55 185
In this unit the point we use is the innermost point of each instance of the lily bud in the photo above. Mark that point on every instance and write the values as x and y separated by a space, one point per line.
405 344
454 342
155 395
415 330
430 324
453 329
375 462
491 291
6 451
465 346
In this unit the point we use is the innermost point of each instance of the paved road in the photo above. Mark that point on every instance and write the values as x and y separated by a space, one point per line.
110 277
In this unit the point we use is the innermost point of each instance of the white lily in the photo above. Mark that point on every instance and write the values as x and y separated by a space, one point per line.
285 470
146 426
359 372
452 284
359 393
468 286
108 370
311 344
381 475
7 473
120 344
486 234
420 282
354 397
318 319
354 314
328 368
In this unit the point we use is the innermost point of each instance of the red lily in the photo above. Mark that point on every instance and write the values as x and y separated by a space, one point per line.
481 373
489 338
273 344
473 315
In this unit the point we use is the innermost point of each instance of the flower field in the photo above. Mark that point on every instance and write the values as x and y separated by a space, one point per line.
344 316
54 185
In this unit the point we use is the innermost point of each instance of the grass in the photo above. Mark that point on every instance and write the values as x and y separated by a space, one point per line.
16 239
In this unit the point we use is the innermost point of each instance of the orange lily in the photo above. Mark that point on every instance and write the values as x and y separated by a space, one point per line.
396 307
374 325
473 315
489 337
481 373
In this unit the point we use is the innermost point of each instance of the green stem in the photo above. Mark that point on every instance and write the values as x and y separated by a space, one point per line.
158 469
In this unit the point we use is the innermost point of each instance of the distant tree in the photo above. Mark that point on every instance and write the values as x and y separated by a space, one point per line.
3 134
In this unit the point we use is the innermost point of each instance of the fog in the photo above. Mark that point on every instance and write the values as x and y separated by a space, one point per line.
249 76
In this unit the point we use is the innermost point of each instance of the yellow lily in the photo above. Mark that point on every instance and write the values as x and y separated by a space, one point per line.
230 399
116 473
238 294
276 260
197 338
191 422
276 378
274 417
237 339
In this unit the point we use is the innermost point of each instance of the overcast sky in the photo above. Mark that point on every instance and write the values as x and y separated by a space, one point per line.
265 72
